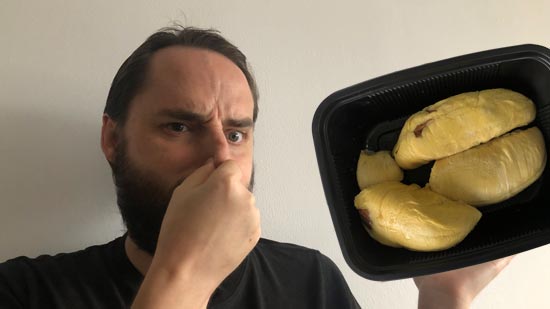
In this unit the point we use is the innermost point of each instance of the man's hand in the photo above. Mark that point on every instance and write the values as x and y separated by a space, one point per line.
211 224
457 288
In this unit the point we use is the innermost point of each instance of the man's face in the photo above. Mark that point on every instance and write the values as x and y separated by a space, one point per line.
195 105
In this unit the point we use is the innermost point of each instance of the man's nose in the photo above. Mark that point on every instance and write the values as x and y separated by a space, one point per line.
219 147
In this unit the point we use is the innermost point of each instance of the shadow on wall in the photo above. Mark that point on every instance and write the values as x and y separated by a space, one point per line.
56 192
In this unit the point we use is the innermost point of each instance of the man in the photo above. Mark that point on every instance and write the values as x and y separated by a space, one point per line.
178 132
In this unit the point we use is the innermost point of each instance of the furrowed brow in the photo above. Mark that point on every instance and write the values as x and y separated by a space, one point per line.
239 123
182 115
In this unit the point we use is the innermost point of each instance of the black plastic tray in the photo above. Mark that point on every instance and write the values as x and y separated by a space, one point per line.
365 116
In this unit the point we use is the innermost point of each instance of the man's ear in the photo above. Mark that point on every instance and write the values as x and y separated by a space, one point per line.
109 138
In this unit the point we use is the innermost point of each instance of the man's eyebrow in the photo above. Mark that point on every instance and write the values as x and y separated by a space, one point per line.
184 115
239 123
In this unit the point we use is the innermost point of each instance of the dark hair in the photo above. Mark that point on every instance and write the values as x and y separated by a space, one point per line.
130 77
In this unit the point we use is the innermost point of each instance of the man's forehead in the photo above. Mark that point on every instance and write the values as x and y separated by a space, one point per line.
196 80
192 62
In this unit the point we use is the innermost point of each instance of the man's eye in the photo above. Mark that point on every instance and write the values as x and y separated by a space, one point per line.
235 136
178 127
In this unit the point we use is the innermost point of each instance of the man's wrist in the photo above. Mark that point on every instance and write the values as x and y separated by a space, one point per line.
173 287
434 298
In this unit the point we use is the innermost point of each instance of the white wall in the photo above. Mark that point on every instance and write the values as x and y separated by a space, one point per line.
57 59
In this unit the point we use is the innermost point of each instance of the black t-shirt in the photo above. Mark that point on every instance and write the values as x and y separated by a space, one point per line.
273 275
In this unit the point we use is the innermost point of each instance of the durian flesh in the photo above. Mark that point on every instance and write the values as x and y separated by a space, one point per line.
460 122
373 168
416 218
491 172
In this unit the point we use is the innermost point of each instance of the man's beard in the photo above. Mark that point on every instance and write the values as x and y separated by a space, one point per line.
142 199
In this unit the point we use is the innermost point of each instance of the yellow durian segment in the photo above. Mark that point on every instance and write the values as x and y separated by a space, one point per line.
373 168
416 218
491 172
460 122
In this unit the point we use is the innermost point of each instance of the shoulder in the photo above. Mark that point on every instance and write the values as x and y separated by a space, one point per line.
63 268
285 250
53 281
24 267
52 263
281 247
25 281
294 256
298 269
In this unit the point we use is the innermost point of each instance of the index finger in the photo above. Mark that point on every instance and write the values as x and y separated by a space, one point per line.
200 175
